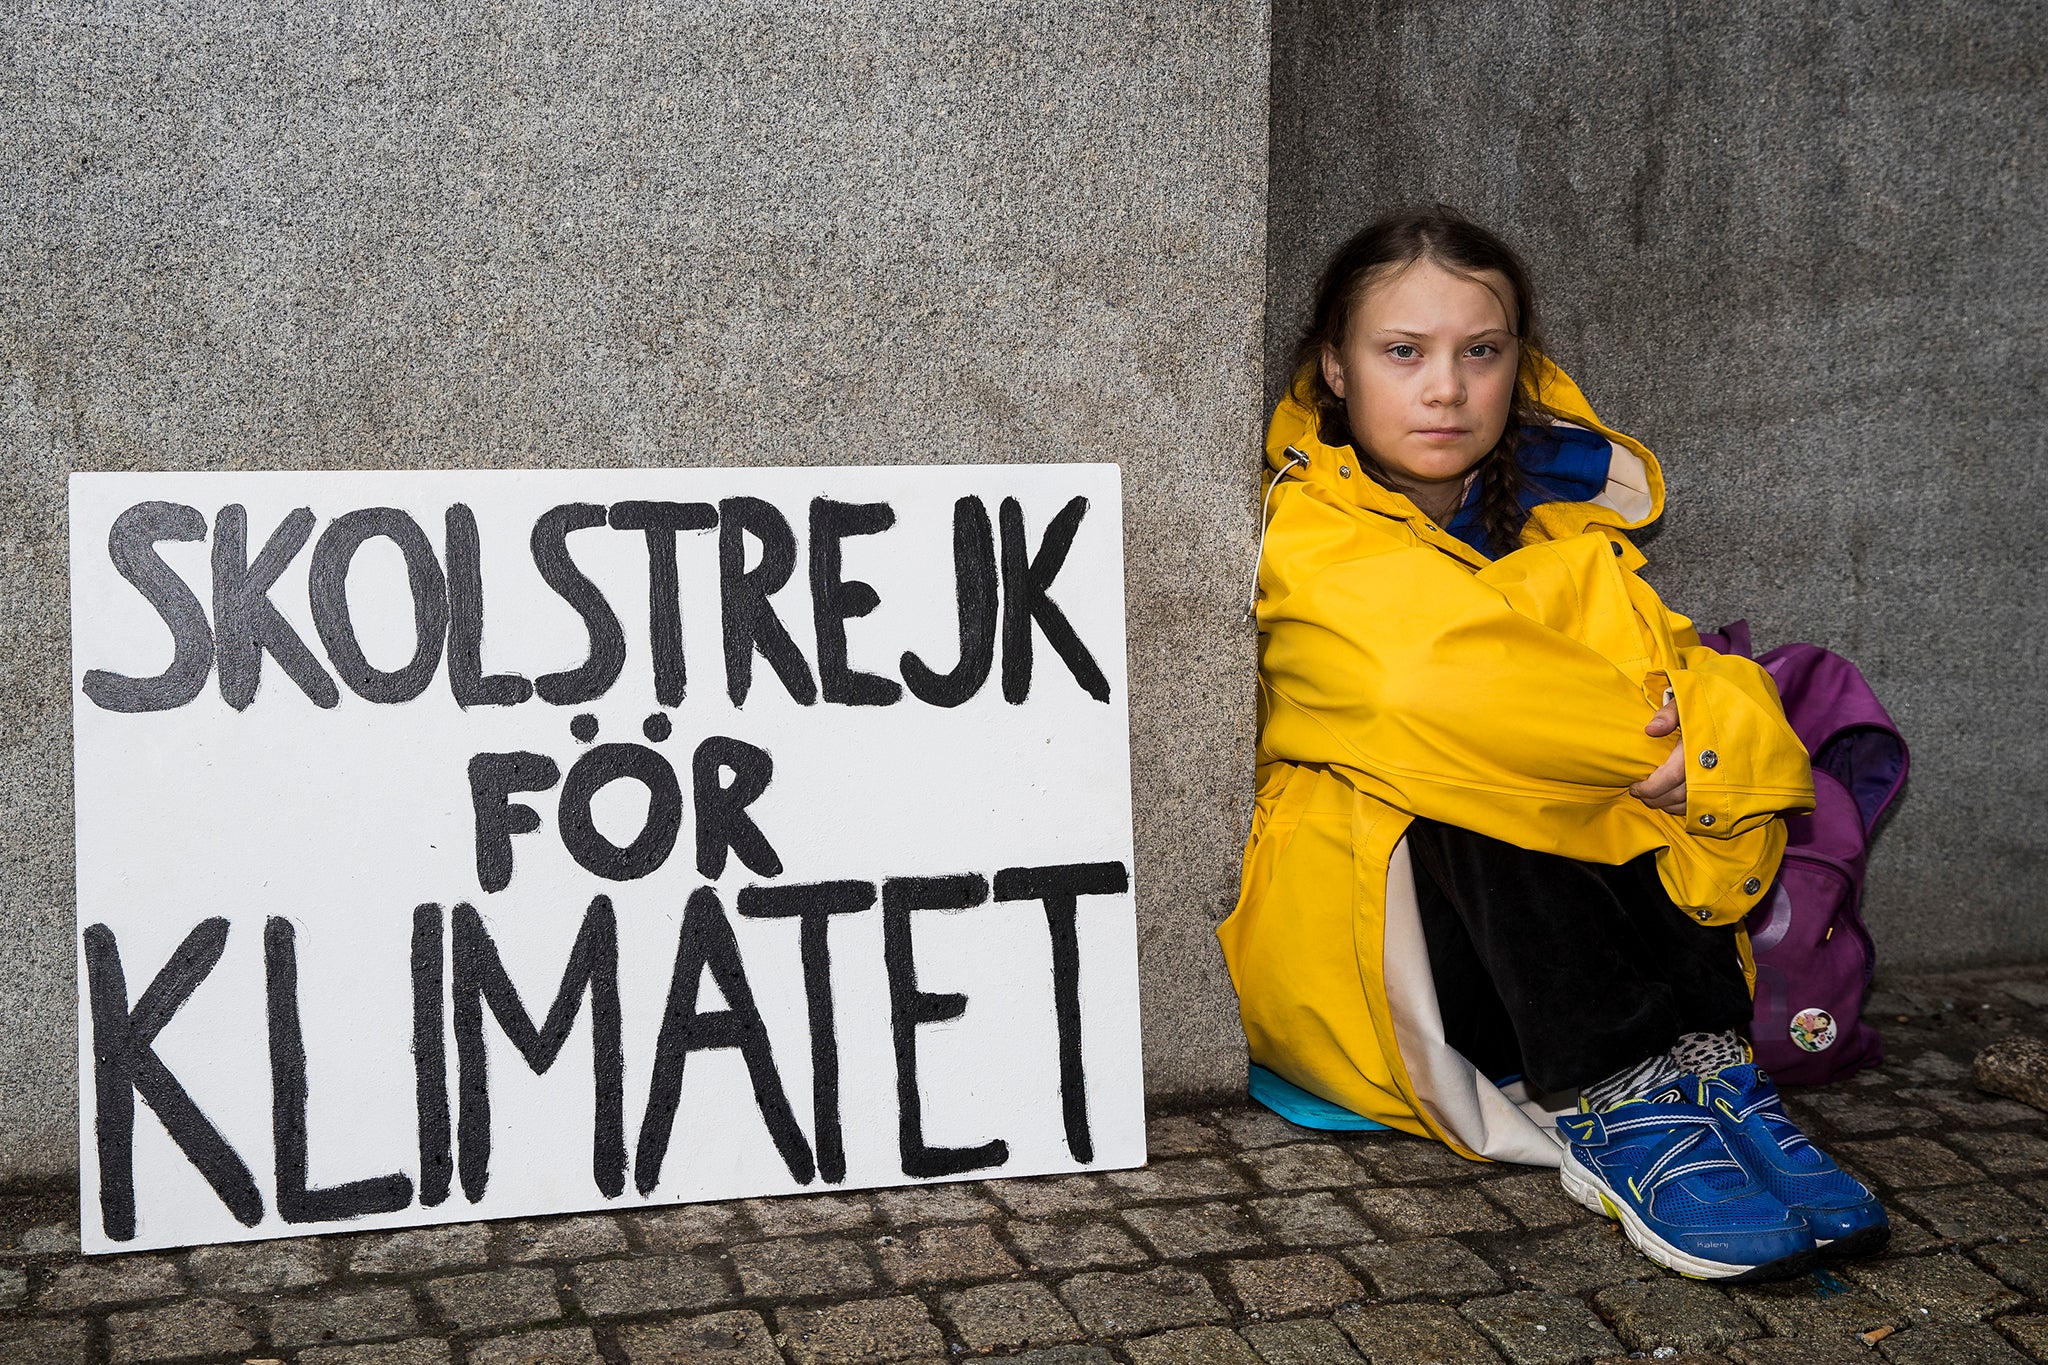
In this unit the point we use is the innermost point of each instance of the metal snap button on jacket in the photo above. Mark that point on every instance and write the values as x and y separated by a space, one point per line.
1706 914
1707 820
1751 887
1708 758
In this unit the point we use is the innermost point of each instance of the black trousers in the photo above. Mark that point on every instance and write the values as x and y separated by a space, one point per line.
1564 972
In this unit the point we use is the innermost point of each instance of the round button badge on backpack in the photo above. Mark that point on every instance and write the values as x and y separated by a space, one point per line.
1813 1030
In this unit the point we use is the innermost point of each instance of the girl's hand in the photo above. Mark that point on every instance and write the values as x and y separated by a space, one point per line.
1664 789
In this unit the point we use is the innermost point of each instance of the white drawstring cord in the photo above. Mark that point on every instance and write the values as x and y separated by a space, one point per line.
1294 457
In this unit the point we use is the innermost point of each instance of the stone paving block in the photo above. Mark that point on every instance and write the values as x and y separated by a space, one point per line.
1809 1309
1415 1334
1946 1345
1063 1355
1191 1346
2033 993
2034 1191
362 1316
1401 1157
1908 1163
945 1255
1536 1200
1304 1341
29 1342
1188 1178
13 1286
1977 1110
1798 1351
862 1331
1855 1115
102 1283
1946 1286
1532 1328
689 1226
1910 1238
1077 1246
650 1284
935 1204
257 1267
1972 1213
797 1268
496 1298
1682 1314
418 1352
195 1327
1430 1211
1438 1268
2023 1266
1253 1126
418 1250
1304 1166
1180 1135
2028 1332
1292 1286
1932 1067
1187 1230
1310 1220
41 1239
737 1338
1577 1260
1008 1317
1052 1194
1139 1303
1897 1001
2004 1153
555 1346
562 1239
794 1214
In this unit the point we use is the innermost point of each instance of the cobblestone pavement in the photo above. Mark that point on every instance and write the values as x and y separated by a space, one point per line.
1245 1242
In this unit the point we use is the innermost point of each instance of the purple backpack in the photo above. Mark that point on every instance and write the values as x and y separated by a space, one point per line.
1813 954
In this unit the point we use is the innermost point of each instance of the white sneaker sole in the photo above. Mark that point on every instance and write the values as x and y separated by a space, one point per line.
1587 1188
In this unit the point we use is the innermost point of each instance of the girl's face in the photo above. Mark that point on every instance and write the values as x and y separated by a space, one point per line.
1427 373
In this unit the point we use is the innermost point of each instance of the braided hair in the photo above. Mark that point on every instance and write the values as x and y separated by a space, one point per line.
1439 234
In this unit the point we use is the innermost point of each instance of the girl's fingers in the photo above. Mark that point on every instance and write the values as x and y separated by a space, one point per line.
1664 788
1665 721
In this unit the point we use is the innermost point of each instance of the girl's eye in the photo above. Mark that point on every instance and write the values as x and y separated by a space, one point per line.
1483 350
1402 351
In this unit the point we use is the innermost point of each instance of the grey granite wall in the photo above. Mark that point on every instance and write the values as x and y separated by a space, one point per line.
1798 248
717 231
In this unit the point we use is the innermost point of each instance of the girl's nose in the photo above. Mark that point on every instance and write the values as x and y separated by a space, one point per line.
1444 385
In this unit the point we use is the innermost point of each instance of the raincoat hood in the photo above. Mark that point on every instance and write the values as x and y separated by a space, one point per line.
1632 496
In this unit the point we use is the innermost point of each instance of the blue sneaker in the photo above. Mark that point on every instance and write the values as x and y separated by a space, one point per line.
1846 1218
1662 1169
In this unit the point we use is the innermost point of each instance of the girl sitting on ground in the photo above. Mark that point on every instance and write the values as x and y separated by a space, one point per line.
1510 810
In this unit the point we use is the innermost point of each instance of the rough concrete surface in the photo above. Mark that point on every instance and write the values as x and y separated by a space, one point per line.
714 232
1797 249
1544 1282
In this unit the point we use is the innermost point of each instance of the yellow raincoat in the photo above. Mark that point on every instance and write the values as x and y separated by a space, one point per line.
1402 674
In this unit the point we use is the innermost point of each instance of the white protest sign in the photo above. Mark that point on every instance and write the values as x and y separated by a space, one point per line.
487 844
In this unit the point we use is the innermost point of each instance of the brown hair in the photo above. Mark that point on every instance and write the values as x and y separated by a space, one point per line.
1444 236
